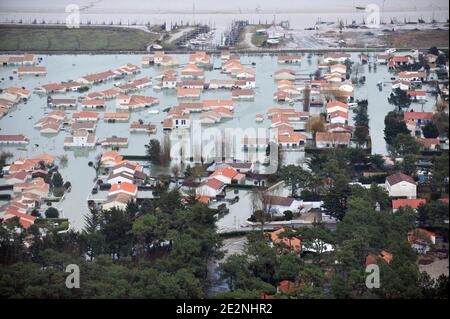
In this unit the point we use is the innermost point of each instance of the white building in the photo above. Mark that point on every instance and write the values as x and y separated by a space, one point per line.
278 205
80 138
401 185
210 188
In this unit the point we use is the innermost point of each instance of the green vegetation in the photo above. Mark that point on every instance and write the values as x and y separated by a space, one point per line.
430 130
394 125
160 250
434 214
400 99
404 145
295 178
53 224
4 156
51 212
259 39
361 119
85 38
340 273
153 151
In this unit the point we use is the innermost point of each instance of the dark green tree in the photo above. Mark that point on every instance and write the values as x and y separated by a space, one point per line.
403 145
394 125
52 212
400 99
430 130
153 151
433 214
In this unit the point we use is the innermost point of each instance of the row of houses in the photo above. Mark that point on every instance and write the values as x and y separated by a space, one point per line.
212 111
123 176
51 123
18 60
415 121
11 97
160 58
27 177
87 81
31 70
13 140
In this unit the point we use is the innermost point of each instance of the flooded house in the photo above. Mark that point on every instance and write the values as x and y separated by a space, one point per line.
85 116
95 104
336 57
62 104
116 117
19 60
49 125
138 127
289 59
131 103
31 70
115 142
192 72
13 140
80 139
135 85
243 94
284 74
201 59
191 94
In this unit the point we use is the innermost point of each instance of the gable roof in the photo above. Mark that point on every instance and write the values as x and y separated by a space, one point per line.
278 200
123 187
398 178
213 183
335 103
227 172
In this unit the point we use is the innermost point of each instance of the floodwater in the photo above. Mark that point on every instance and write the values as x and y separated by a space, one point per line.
71 67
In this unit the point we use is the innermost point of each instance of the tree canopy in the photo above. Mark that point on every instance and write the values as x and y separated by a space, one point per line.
161 251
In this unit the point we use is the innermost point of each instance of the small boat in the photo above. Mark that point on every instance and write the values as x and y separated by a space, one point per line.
153 112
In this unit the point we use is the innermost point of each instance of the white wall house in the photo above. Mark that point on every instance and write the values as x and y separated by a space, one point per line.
278 204
401 185
210 188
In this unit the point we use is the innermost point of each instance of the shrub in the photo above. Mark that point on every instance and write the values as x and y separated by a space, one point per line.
51 212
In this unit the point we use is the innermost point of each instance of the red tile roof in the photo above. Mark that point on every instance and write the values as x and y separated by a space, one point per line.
336 103
413 203
293 243
125 187
214 183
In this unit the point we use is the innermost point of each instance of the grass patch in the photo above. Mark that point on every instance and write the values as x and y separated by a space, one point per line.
417 39
259 39
60 38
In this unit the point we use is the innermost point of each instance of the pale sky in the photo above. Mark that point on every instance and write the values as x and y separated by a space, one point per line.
136 6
